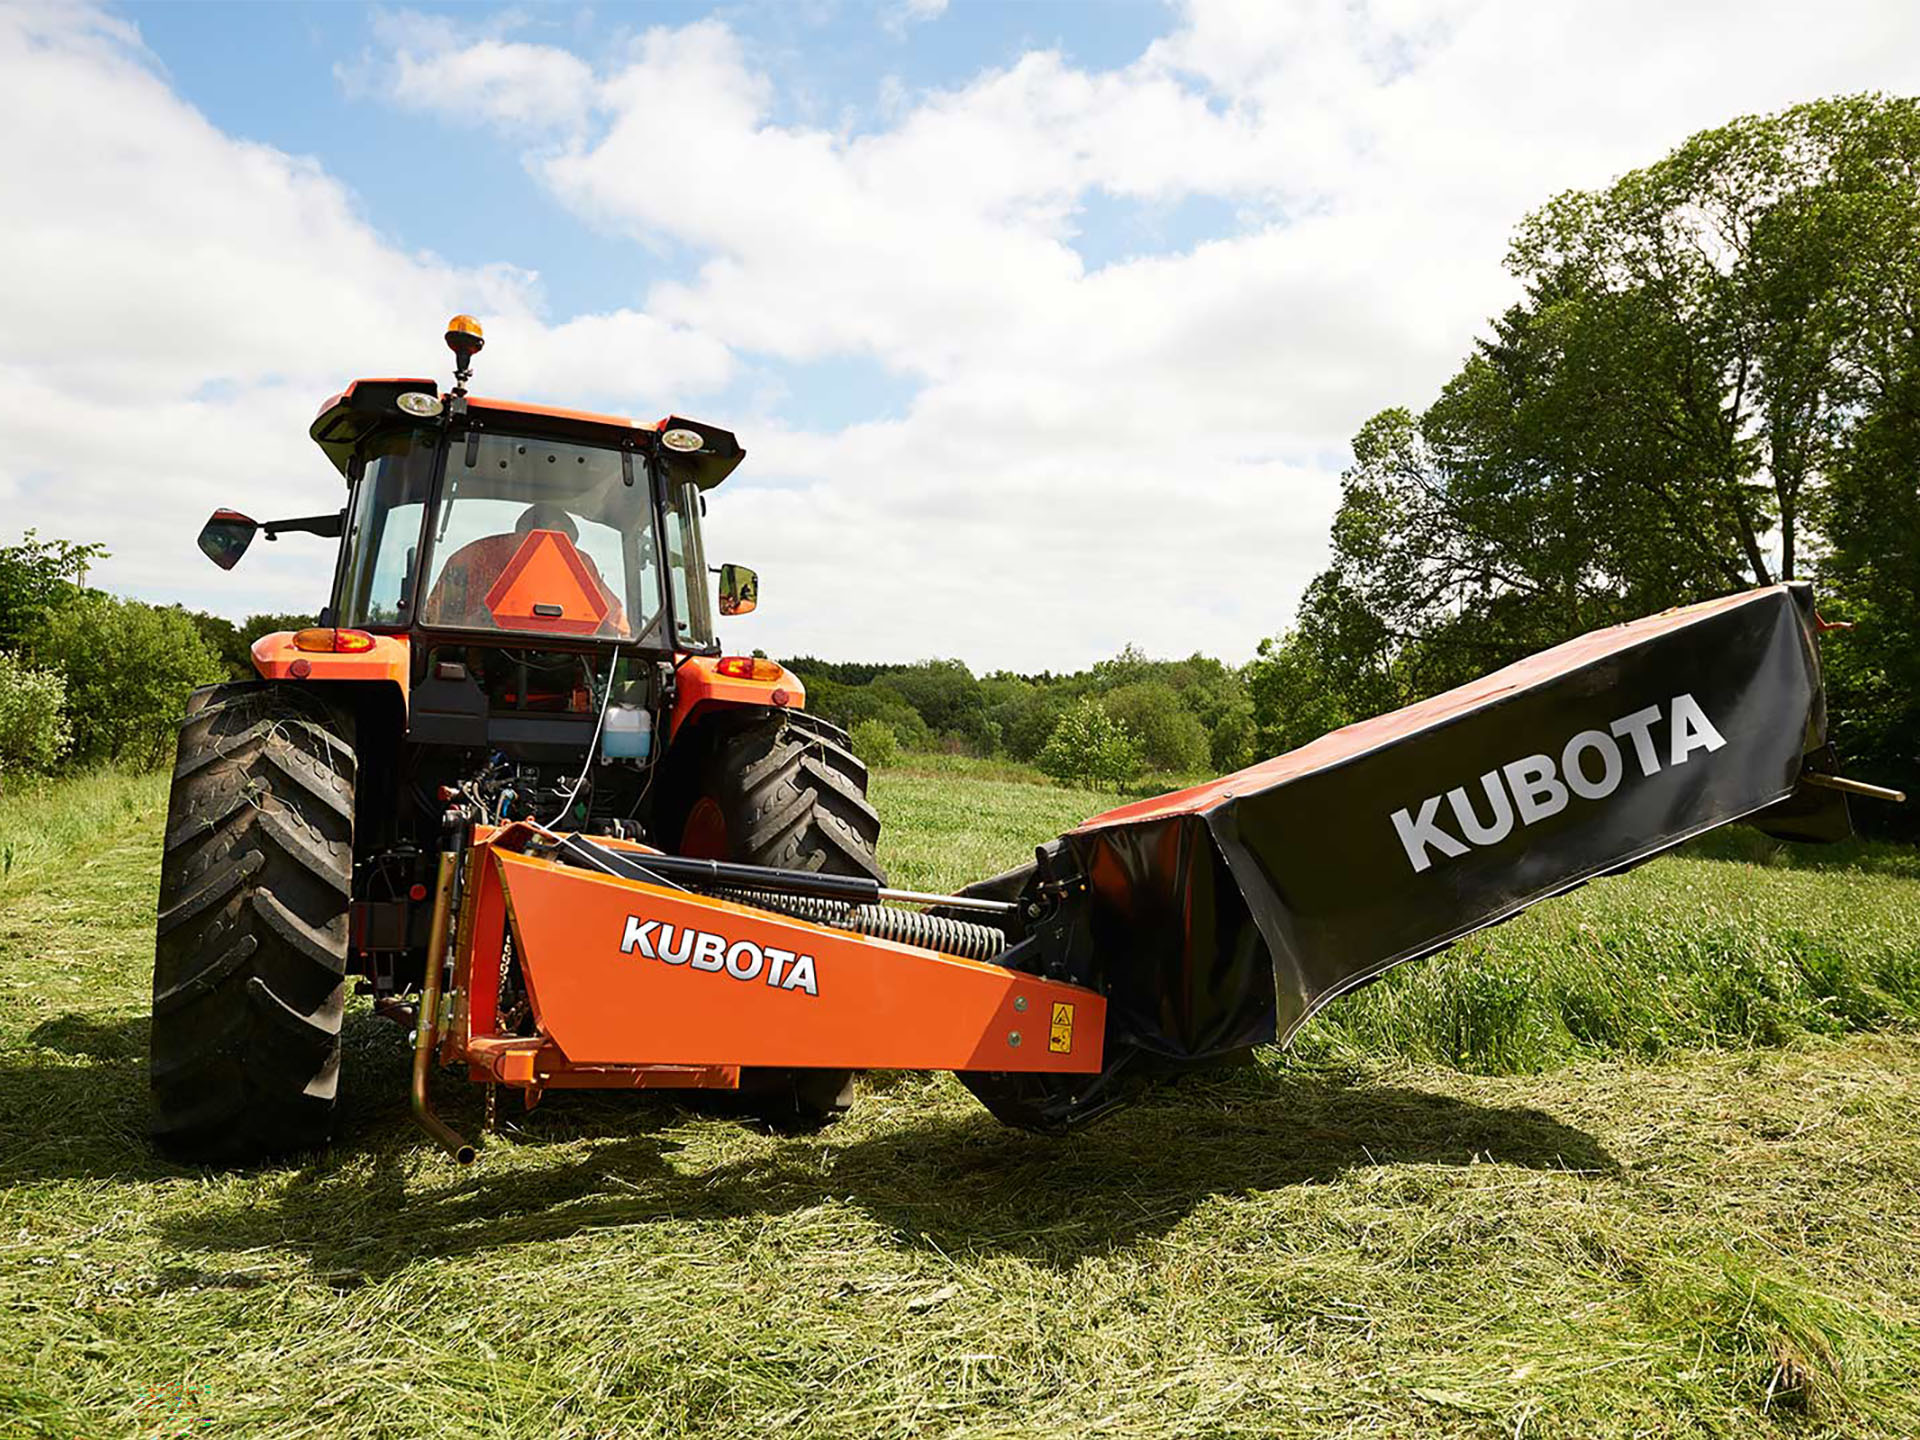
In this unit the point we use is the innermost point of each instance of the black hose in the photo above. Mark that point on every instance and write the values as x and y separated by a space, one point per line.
839 901
684 870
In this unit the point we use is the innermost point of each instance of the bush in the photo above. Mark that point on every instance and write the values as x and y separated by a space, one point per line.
1026 715
1089 747
875 743
848 705
33 729
1171 736
129 668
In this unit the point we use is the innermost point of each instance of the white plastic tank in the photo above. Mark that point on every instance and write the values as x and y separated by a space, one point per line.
627 734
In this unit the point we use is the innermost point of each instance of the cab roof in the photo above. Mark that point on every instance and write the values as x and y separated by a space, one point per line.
368 405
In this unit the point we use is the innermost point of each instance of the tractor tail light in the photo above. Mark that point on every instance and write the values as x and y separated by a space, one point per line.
327 640
748 667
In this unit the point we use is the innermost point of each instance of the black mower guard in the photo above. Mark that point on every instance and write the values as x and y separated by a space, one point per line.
1224 916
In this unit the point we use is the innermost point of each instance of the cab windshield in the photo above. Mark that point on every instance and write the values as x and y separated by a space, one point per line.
531 535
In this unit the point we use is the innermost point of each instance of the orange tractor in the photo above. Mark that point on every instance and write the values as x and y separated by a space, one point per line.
510 785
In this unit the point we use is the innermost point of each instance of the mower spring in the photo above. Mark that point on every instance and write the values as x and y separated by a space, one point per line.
909 927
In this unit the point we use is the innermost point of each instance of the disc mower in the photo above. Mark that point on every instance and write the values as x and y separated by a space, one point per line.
509 786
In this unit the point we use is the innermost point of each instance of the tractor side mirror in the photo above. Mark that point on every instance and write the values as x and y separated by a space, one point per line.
226 536
739 590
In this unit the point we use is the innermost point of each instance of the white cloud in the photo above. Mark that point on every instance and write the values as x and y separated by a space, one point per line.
1144 450
896 17
430 63
178 304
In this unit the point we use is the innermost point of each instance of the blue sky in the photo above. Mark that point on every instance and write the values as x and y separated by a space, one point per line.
274 73
1045 325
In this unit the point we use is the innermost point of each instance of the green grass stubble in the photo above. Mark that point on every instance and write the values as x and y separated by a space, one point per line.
1357 1240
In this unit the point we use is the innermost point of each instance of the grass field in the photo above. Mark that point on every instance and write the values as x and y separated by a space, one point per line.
1644 1163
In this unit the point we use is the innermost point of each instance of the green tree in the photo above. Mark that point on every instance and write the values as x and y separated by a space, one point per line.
1700 352
1293 699
35 576
129 668
945 694
1213 692
1170 736
1089 747
850 705
1873 570
1024 712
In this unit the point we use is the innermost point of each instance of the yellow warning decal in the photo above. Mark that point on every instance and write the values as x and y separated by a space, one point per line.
1060 1042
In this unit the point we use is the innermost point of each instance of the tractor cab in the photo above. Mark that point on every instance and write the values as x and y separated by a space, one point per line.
508 521
503 529
521 590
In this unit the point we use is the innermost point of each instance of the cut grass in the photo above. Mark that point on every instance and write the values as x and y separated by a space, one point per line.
1685 953
1352 1241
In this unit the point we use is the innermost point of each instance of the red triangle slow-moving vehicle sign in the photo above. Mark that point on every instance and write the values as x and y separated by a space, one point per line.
547 586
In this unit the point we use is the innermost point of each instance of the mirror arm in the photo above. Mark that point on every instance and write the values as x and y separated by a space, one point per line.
328 526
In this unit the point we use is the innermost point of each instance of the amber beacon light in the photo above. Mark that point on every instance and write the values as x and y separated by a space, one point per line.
465 339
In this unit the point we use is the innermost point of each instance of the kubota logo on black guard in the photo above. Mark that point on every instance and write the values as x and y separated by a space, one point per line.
1534 788
703 950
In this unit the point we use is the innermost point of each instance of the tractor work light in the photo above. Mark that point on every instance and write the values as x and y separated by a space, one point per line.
750 667
325 640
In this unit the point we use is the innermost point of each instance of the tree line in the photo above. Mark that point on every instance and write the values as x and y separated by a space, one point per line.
1109 725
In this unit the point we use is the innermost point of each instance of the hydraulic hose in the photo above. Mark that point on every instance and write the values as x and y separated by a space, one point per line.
846 902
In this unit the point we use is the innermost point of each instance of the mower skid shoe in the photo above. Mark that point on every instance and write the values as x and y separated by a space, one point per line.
1226 915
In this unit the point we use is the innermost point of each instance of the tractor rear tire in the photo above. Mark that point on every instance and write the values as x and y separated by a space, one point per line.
250 957
787 791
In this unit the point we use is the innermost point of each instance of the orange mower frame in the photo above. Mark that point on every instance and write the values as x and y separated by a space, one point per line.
636 985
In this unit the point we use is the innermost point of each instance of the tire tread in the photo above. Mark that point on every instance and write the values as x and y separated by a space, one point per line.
251 942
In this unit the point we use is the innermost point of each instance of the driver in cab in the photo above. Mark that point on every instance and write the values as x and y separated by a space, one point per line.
459 596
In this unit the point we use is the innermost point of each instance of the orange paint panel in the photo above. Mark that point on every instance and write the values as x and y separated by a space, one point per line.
275 657
699 685
622 973
482 402
483 933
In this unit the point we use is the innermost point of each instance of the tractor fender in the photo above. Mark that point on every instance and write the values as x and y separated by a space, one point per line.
276 658
700 688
